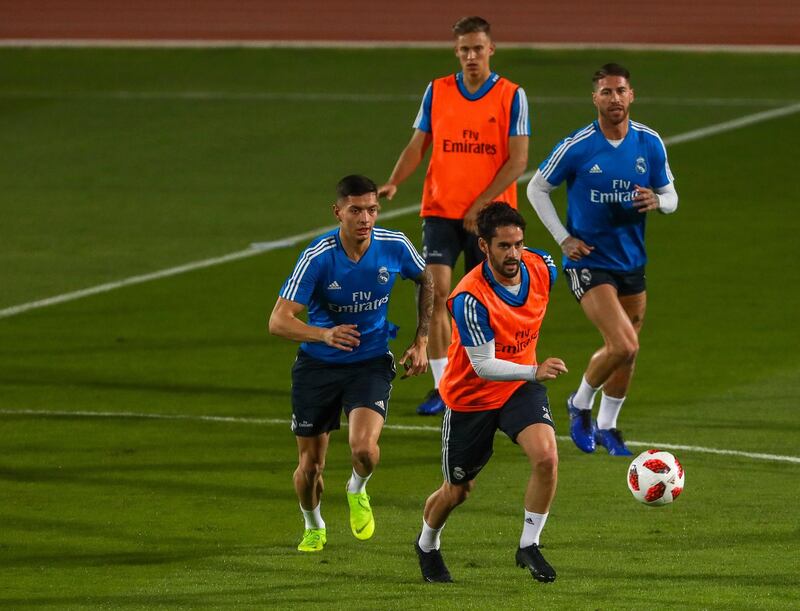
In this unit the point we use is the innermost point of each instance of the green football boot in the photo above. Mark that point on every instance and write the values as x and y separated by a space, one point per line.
362 523
314 540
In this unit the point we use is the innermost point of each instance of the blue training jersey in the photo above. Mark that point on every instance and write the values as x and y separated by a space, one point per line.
337 290
601 183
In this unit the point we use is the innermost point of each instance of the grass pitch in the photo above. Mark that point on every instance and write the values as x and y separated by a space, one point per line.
122 162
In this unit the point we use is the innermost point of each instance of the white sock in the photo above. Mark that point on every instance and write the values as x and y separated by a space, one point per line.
532 528
429 539
313 517
437 369
584 397
609 410
357 484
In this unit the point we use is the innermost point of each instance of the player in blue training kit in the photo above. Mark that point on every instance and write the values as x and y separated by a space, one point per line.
616 171
344 279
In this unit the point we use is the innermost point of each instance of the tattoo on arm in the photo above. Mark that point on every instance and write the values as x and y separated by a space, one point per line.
424 302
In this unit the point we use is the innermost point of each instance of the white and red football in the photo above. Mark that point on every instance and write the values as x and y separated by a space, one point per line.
656 477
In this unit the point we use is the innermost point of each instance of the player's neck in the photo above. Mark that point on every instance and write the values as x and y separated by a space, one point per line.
354 249
472 84
612 131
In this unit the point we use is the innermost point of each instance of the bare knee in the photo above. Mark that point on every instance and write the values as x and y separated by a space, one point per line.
546 462
457 494
310 468
364 452
624 351
441 291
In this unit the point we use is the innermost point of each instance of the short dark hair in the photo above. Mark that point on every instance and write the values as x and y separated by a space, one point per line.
498 214
469 25
354 184
611 70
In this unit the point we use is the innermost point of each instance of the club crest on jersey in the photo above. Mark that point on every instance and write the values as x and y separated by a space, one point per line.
383 275
641 165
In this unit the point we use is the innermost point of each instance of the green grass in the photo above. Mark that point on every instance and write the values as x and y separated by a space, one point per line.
134 512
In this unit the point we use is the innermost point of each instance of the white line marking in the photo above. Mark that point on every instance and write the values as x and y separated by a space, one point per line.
319 96
262 247
380 44
734 124
397 427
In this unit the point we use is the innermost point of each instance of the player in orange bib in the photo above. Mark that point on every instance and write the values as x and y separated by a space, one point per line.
476 124
492 381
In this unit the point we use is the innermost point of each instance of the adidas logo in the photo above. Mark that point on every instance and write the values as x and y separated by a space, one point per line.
334 286
380 404
595 169
492 120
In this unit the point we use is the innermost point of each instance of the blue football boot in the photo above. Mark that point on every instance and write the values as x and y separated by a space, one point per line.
611 440
581 427
432 404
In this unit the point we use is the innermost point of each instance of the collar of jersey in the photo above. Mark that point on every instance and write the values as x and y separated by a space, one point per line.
343 252
502 292
603 136
484 89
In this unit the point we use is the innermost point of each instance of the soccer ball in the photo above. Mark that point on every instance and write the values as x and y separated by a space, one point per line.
655 477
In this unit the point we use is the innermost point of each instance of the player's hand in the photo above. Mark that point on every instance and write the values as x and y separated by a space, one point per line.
471 217
415 358
550 369
575 248
342 337
645 199
388 190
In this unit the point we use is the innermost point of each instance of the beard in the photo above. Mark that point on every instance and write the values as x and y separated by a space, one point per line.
507 269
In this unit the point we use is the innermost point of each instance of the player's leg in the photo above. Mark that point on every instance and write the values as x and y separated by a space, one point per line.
316 406
603 308
526 419
539 443
597 292
439 338
467 440
440 248
366 402
308 484
616 386
365 429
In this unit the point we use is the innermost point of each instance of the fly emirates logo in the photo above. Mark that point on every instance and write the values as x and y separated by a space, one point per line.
522 340
621 193
362 302
470 143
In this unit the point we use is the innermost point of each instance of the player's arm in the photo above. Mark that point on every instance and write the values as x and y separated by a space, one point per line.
489 367
415 358
539 195
284 322
664 199
477 337
510 171
408 161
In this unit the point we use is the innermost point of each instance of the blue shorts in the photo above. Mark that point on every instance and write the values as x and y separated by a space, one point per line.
321 390
468 437
443 240
581 279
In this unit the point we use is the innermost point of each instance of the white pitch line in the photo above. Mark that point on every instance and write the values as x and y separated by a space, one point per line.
261 247
734 124
397 427
311 96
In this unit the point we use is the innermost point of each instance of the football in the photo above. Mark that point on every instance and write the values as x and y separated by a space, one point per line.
656 477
